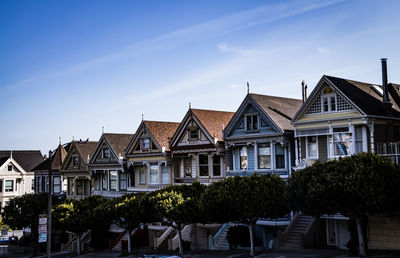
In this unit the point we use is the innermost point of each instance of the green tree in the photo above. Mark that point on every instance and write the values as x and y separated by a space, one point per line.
78 216
131 210
23 211
246 199
179 205
356 186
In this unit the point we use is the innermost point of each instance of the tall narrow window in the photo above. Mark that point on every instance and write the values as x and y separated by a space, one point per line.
70 183
142 175
113 180
243 158
216 165
1 186
56 184
79 186
75 161
153 173
165 174
187 166
123 181
32 185
325 104
358 139
146 144
104 181
279 156
312 151
264 155
203 164
106 153
9 167
193 134
333 103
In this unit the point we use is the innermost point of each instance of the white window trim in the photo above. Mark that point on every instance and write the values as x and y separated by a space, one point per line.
285 156
158 173
271 146
328 96
211 156
307 154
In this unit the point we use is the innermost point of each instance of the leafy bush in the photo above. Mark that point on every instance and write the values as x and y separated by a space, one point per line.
238 235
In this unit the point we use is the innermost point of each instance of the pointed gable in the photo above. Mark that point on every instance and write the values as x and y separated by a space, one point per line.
364 98
267 114
81 151
26 159
162 131
201 126
114 143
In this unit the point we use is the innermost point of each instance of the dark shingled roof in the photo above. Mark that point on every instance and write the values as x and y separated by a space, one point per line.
85 149
162 131
118 141
362 95
58 157
280 110
213 120
26 159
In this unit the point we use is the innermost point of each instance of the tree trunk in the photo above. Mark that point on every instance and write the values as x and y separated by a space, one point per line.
35 236
251 238
180 239
129 241
78 244
361 247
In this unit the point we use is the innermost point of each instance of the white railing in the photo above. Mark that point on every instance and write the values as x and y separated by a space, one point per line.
161 239
186 235
212 240
391 149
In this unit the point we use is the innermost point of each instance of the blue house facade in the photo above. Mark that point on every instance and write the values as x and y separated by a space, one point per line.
260 139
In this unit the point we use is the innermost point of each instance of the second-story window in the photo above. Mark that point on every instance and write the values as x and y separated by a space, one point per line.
104 181
123 181
106 153
279 156
142 175
312 147
113 180
264 156
252 122
328 100
243 158
56 184
216 165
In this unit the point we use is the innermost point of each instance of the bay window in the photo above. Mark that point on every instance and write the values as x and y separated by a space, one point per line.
264 155
341 139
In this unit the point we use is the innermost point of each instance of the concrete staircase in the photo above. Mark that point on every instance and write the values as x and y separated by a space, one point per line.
116 243
294 234
164 244
219 240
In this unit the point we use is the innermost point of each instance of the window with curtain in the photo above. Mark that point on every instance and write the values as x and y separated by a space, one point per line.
243 158
9 186
104 181
264 155
113 180
153 173
164 174
279 156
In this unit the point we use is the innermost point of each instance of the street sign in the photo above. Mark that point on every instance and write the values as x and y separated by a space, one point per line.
42 237
42 228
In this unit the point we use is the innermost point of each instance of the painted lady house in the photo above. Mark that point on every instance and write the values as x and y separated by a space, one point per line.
343 117
260 139
75 169
16 175
198 149
107 165
42 172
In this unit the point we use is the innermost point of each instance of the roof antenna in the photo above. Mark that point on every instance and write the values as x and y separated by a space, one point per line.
190 105
248 87
102 129
142 118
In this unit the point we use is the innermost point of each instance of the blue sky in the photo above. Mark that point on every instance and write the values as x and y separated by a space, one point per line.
67 68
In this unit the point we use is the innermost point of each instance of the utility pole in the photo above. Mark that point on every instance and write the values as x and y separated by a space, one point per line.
49 204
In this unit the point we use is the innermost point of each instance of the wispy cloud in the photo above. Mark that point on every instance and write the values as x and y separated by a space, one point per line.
323 51
209 29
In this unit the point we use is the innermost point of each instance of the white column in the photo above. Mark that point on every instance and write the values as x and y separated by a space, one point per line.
159 173
182 169
272 155
108 180
364 139
117 183
371 131
255 155
296 154
233 159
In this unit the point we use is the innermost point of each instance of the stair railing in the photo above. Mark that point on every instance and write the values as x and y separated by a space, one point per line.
186 234
282 236
213 239
162 237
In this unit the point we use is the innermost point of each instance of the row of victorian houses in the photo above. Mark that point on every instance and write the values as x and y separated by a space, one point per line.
266 134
